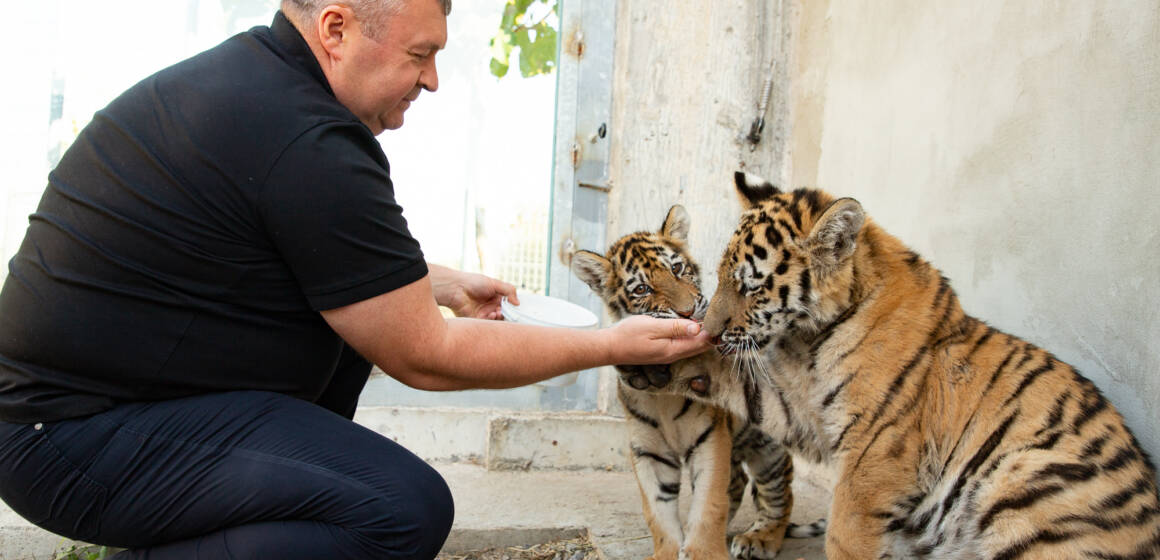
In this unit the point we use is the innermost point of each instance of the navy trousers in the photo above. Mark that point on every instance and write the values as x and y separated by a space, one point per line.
226 476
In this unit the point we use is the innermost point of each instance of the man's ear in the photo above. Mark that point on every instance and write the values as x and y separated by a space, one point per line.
334 25
593 269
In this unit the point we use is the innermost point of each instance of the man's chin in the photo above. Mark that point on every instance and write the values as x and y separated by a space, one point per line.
393 122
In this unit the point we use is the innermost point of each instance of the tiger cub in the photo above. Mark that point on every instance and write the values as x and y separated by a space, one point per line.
950 439
652 273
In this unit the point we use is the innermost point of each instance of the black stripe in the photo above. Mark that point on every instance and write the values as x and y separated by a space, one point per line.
670 487
640 453
1049 442
753 403
700 439
684 408
784 407
1003 364
826 402
896 385
795 213
1121 459
1088 410
1132 519
1045 536
805 284
640 416
854 418
902 411
1145 551
1119 499
979 343
829 330
977 460
1094 447
1071 472
1056 413
1048 365
789 231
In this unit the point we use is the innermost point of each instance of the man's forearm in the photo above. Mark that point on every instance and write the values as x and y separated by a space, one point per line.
478 354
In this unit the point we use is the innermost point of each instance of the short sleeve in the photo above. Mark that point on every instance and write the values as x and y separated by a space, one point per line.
329 207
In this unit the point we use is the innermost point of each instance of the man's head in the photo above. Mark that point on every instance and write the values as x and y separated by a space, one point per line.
377 54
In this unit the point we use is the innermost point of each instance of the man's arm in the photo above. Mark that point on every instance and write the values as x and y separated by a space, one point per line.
404 334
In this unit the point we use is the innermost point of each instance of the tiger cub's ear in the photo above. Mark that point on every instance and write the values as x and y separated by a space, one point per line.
592 268
835 235
753 189
676 223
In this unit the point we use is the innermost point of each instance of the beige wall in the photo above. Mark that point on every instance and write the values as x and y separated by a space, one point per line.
1017 146
1014 144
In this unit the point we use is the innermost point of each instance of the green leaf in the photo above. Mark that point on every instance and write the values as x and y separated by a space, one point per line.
499 69
536 40
539 57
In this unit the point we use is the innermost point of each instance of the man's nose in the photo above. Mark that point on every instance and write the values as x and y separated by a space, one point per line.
429 78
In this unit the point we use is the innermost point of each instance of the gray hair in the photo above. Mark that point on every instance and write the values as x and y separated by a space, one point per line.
372 14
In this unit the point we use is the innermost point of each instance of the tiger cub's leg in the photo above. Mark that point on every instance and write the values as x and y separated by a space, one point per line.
708 458
658 472
738 481
771 469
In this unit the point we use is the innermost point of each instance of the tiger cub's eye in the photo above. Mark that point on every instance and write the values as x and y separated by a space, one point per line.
641 289
700 384
678 268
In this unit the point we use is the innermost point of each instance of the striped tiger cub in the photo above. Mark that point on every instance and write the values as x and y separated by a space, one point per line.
652 273
950 438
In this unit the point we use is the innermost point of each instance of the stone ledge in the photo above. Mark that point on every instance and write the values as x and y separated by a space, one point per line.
503 439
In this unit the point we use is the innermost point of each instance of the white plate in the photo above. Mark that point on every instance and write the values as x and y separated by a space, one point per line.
547 311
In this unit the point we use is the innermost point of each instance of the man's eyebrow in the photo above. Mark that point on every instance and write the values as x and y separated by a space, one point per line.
427 46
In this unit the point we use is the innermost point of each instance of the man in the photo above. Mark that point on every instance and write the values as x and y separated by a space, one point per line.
187 326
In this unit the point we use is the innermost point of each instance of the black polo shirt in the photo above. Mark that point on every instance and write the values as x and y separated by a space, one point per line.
188 238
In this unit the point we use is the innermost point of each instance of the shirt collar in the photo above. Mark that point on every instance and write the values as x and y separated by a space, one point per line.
295 46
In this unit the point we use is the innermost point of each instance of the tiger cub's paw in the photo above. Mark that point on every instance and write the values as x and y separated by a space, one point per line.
757 544
664 552
704 553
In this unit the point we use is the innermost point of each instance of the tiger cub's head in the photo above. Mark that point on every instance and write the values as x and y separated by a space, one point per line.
647 273
788 268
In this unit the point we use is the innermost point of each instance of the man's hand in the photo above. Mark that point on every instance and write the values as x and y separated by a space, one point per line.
641 339
468 294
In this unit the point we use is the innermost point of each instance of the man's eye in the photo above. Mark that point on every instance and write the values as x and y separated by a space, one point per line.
641 289
678 268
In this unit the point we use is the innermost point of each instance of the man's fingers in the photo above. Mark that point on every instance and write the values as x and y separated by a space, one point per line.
682 328
509 291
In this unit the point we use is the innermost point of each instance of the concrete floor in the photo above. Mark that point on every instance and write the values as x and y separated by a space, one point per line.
506 508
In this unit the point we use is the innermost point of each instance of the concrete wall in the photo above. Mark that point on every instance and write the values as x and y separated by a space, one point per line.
1017 146
1014 144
